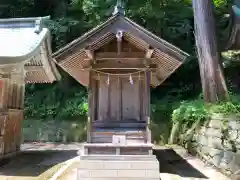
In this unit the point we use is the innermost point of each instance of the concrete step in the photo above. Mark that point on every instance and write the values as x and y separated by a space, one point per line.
106 168
109 139
122 178
119 157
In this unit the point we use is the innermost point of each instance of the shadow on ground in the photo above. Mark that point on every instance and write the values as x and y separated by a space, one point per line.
34 163
172 163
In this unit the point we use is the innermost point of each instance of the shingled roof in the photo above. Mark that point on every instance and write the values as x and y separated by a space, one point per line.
234 37
26 41
73 58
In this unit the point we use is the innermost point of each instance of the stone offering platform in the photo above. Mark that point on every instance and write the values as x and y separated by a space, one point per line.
118 167
118 149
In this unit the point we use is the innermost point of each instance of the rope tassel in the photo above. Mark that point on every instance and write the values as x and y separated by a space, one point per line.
108 80
130 79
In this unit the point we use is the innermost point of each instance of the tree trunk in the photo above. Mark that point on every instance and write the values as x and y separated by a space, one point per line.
211 70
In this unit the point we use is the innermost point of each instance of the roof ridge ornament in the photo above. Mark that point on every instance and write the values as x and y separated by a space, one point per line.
38 25
119 8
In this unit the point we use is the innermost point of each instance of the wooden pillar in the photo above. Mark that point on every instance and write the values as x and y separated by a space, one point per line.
140 99
120 98
89 108
147 105
109 99
94 98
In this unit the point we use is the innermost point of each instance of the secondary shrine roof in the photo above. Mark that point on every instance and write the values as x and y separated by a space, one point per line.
234 38
26 41
74 57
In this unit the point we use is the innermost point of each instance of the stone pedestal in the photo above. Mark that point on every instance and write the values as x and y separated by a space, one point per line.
118 167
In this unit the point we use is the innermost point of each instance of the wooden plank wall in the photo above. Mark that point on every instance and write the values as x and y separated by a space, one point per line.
11 115
120 99
11 94
12 132
130 100
16 95
4 91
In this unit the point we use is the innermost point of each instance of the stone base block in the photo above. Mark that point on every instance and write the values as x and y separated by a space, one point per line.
118 168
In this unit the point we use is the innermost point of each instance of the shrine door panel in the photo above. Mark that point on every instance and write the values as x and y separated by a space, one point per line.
115 95
102 101
109 100
119 100
130 100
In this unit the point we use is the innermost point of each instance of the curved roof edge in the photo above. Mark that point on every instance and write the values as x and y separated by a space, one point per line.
233 41
28 41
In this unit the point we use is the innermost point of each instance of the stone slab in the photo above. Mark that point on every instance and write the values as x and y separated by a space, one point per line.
120 179
119 157
124 169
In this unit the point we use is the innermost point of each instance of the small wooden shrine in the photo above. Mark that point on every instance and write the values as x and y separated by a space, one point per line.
25 57
118 61
234 38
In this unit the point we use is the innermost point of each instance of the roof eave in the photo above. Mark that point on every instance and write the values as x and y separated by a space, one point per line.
31 19
24 58
181 54
160 40
85 36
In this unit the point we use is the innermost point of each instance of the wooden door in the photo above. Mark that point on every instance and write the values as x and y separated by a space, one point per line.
130 100
119 100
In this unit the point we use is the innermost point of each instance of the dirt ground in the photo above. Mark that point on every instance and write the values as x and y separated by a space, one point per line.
37 161
40 161
175 164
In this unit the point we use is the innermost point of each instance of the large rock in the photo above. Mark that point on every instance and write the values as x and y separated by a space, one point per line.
234 125
215 142
217 124
211 151
212 132
234 165
227 158
234 135
203 140
216 160
220 148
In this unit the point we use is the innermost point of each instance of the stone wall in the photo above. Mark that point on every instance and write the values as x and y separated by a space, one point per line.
218 143
53 131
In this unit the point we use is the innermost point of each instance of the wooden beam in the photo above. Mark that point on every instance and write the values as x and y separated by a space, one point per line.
89 53
134 76
102 66
133 61
122 55
149 53
119 47
33 68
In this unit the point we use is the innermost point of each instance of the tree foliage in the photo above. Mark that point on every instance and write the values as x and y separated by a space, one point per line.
170 19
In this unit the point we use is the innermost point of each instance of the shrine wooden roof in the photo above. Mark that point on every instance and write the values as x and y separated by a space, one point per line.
26 41
75 57
234 36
